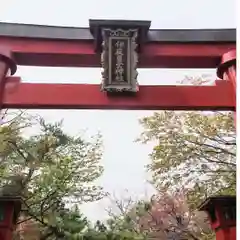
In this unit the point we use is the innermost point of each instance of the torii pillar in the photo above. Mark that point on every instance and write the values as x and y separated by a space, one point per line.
227 72
222 209
10 208
7 67
222 215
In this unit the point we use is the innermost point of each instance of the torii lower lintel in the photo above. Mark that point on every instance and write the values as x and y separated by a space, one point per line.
88 96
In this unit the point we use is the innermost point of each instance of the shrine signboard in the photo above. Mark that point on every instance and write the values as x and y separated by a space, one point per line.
119 43
119 60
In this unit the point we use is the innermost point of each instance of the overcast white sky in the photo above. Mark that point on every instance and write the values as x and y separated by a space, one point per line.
123 160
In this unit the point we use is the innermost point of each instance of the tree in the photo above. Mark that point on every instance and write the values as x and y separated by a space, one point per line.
120 213
50 171
166 215
195 149
71 224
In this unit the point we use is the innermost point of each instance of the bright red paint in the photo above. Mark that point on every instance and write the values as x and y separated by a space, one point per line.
7 224
11 207
220 210
228 233
7 67
88 96
227 72
225 230
39 52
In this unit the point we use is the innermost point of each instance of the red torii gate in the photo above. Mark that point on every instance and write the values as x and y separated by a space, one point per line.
34 45
119 47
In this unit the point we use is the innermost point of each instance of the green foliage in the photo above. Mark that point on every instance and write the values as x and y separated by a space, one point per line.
195 150
48 169
192 149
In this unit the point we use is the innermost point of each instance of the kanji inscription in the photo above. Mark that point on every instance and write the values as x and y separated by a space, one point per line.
119 60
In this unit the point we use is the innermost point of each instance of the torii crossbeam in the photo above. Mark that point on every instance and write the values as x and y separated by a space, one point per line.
34 45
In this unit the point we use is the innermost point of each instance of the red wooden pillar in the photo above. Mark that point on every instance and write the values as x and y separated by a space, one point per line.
222 216
7 67
227 71
9 210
